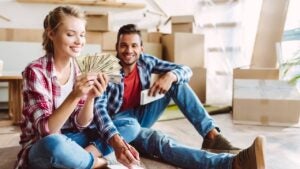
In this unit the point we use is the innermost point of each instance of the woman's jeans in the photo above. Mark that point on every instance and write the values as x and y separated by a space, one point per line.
157 145
66 150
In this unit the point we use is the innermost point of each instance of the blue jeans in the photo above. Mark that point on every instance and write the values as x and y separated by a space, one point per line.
66 150
59 151
155 144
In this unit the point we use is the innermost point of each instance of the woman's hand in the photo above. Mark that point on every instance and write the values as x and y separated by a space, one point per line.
100 84
90 84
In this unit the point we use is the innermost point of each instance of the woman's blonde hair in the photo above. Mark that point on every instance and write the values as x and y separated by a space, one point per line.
53 20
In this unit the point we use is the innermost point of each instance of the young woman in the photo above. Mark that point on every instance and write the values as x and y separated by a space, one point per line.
59 103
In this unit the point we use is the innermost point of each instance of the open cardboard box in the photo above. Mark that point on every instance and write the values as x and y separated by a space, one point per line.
260 98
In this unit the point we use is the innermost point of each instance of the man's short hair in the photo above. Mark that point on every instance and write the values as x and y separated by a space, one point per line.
129 29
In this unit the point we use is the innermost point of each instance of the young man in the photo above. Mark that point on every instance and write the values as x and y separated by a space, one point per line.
122 101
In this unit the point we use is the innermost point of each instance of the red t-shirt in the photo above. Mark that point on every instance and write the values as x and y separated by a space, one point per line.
132 90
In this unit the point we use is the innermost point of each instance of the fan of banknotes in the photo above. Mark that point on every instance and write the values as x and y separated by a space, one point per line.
101 62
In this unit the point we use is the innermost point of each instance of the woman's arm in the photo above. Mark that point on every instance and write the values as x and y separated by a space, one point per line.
85 116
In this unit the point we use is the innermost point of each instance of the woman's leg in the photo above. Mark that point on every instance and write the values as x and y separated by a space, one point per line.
59 151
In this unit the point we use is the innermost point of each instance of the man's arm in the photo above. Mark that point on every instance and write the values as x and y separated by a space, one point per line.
171 73
109 132
125 153
158 66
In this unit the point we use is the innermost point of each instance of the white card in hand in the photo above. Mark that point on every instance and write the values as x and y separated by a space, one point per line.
145 99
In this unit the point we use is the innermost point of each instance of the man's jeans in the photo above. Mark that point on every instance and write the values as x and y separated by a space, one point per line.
155 144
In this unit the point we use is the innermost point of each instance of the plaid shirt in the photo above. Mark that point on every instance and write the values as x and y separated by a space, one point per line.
112 98
40 92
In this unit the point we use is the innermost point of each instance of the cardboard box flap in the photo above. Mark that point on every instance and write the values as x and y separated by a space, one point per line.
182 19
257 73
95 13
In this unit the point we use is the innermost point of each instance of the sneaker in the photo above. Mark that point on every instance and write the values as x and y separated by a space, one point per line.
252 157
219 145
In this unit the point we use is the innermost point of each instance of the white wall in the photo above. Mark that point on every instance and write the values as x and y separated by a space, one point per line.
31 15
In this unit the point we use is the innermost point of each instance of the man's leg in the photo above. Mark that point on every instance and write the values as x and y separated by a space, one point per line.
147 115
188 103
192 108
157 145
154 144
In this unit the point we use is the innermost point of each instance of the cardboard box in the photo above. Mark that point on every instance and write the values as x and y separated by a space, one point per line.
184 48
144 35
183 23
93 37
154 37
109 40
21 35
198 83
97 21
257 73
2 34
182 19
154 49
184 27
265 102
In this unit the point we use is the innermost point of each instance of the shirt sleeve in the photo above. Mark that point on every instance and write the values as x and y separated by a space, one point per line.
102 119
74 116
183 73
37 99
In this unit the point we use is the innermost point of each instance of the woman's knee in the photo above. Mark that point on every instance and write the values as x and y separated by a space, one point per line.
50 144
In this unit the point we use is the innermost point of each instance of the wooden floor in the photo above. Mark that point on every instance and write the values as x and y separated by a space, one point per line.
282 149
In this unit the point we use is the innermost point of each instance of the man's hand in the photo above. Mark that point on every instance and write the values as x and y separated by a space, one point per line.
163 84
125 153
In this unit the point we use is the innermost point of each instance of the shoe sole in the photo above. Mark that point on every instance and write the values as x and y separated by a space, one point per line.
259 152
217 151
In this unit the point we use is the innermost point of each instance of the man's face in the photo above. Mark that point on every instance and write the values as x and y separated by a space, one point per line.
129 49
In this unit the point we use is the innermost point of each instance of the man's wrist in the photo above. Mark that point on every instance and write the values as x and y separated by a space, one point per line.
173 76
116 142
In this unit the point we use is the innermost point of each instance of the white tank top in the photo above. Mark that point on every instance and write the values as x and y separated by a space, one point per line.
66 89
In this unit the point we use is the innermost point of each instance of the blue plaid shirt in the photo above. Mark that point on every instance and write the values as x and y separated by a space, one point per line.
112 99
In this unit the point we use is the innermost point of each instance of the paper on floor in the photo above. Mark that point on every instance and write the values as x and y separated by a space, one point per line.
120 166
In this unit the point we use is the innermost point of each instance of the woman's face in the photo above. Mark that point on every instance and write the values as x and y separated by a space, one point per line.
69 38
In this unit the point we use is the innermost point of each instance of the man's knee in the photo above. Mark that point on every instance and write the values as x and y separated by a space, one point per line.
129 128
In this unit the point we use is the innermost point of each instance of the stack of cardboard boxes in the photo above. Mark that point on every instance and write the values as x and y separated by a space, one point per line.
186 47
183 46
99 31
